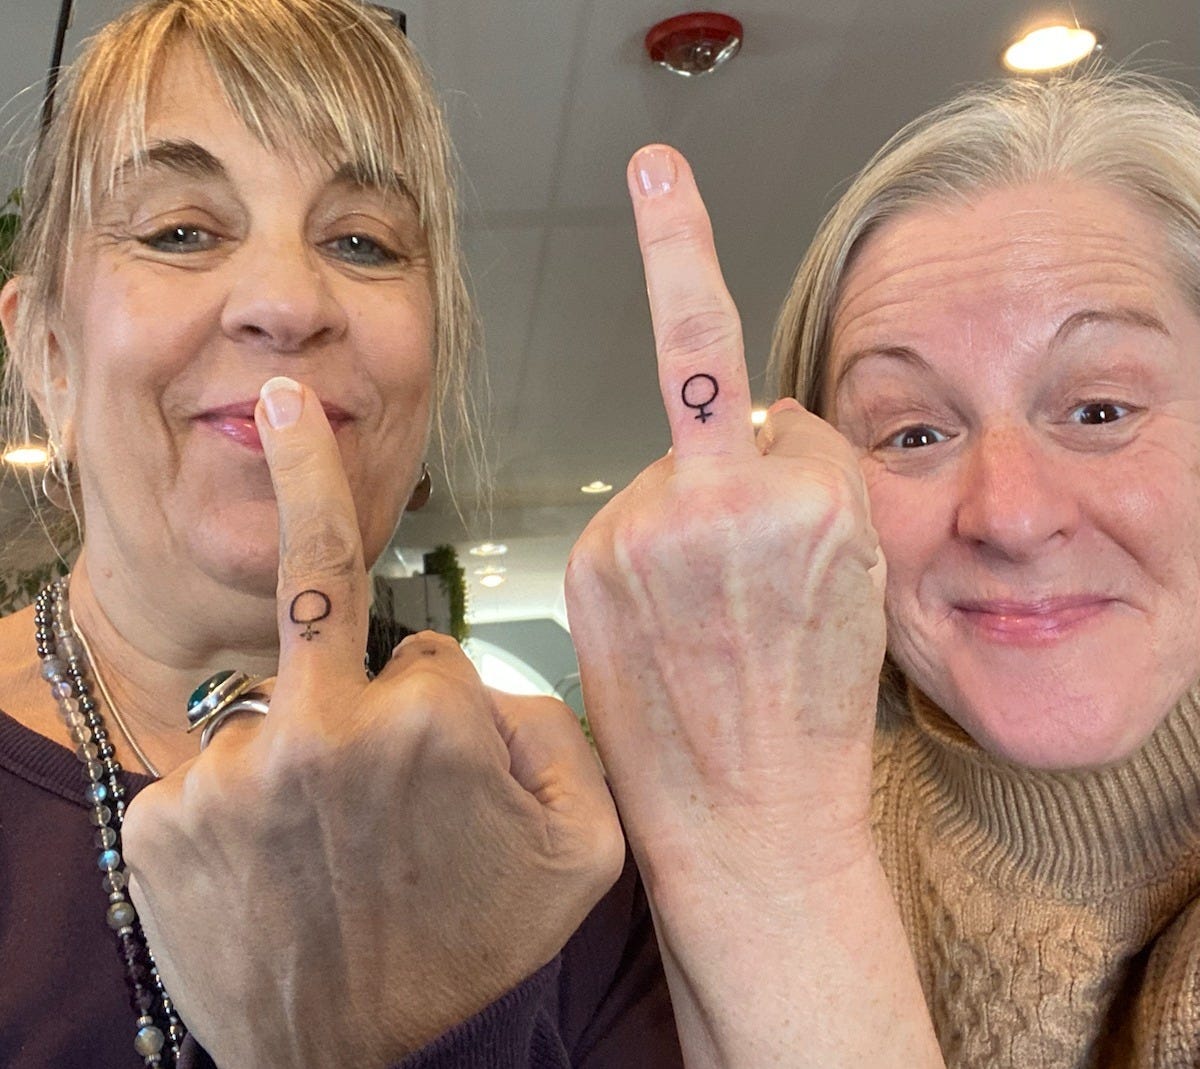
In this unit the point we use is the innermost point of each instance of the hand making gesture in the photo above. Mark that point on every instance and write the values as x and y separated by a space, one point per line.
728 612
341 880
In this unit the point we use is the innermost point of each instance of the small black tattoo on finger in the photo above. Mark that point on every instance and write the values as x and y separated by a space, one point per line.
307 608
699 392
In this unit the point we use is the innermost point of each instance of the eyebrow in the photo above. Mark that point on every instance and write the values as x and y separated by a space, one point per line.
364 177
186 157
890 352
1133 317
1129 317
182 156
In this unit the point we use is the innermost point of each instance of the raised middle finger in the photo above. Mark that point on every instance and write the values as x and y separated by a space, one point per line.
322 586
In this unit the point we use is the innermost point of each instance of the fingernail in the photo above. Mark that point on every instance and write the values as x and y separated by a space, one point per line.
282 399
655 171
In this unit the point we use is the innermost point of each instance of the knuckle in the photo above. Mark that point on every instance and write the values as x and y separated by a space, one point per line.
698 330
320 545
596 849
137 828
426 643
298 758
683 236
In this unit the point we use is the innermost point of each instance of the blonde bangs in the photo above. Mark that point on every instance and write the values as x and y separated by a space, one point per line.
330 76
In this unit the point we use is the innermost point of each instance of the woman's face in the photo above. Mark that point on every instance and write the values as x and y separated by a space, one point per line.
217 265
1021 375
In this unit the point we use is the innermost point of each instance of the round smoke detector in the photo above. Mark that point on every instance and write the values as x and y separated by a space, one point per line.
695 43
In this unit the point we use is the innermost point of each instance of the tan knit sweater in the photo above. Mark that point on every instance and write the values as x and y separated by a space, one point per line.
1055 918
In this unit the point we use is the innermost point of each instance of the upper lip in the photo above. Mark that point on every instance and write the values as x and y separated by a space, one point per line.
1041 606
245 410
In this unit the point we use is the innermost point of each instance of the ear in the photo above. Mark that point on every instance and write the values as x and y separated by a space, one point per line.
35 350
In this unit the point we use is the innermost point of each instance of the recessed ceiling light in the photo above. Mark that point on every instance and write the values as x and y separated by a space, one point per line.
492 575
488 549
26 456
758 417
1050 48
596 487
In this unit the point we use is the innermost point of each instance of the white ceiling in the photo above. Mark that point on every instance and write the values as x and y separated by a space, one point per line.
547 99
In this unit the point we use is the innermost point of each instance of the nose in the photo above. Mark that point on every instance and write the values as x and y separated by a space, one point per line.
1014 500
281 298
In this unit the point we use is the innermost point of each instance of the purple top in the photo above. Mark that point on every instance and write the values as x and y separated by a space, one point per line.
600 1004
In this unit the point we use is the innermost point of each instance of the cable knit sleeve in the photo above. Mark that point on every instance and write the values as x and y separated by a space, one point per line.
1167 1015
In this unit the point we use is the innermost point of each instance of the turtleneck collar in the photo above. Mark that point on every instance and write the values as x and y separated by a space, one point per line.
1078 834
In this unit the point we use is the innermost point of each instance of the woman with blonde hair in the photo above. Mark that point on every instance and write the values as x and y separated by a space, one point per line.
991 857
237 306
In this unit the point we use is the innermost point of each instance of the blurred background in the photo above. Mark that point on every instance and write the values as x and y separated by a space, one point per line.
547 99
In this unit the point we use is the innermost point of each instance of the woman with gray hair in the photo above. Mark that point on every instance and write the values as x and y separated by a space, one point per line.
237 304
984 848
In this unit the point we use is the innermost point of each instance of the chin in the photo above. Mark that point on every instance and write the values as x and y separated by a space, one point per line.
1046 729
242 556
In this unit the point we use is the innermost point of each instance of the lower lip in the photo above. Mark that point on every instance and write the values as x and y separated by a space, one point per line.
1032 628
242 431
245 432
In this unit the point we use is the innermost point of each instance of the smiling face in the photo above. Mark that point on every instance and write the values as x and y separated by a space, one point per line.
1021 374
217 264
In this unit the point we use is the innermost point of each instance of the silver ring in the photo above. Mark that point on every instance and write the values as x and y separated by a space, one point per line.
242 705
215 693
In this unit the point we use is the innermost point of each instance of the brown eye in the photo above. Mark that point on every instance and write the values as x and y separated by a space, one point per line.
1096 413
915 438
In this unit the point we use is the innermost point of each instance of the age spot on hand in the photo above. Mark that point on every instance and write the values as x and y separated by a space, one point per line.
307 608
699 392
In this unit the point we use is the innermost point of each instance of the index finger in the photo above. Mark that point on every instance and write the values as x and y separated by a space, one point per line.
697 333
321 594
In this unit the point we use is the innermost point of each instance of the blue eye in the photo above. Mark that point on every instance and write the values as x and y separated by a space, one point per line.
181 239
915 438
1098 413
361 250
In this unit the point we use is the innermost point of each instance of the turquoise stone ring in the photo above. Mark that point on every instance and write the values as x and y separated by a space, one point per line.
218 692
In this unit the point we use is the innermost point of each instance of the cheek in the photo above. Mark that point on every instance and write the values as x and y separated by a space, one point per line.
913 519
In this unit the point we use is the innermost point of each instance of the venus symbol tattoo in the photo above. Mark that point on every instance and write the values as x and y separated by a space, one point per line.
699 392
307 608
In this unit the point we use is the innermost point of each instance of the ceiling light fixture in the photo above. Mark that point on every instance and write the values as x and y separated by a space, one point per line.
695 43
492 575
596 487
758 416
26 456
1050 48
488 549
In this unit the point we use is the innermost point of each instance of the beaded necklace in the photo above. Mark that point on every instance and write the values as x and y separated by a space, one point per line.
65 666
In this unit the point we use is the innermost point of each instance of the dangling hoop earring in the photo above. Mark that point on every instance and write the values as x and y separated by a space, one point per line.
421 493
57 481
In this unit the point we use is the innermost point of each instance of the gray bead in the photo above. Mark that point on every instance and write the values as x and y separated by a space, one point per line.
148 1041
70 648
121 915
